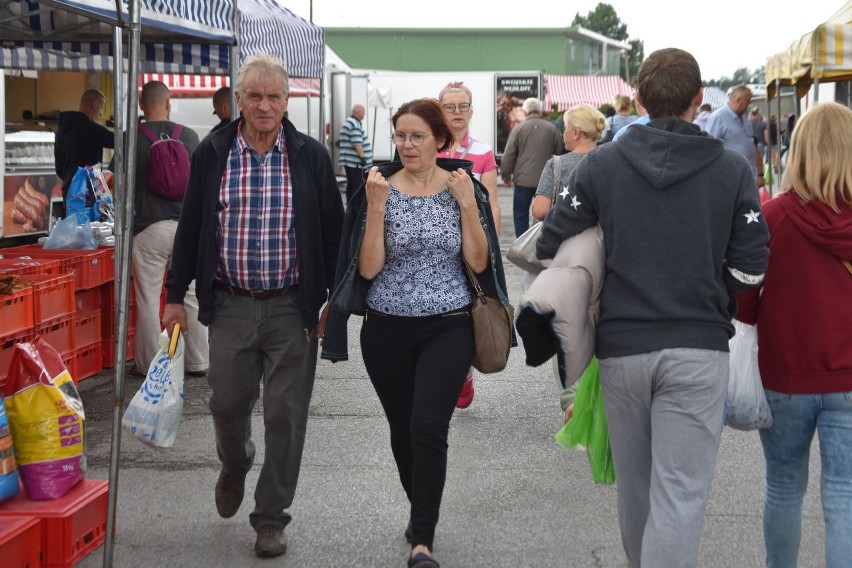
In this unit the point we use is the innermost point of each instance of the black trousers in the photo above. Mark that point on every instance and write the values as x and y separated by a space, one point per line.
354 179
417 366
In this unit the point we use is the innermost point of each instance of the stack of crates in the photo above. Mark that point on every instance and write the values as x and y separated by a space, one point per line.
69 302
57 533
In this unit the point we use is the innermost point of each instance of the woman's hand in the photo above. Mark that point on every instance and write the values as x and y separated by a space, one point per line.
377 189
461 186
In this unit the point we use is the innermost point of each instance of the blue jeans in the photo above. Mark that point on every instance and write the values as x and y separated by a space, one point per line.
786 448
521 203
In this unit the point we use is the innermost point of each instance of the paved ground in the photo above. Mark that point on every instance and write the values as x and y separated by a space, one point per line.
514 497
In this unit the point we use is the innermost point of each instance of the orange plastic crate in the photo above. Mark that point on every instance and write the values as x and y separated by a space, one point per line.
108 320
72 526
108 294
108 352
88 300
87 328
20 542
53 295
88 266
89 360
7 347
30 265
16 311
59 333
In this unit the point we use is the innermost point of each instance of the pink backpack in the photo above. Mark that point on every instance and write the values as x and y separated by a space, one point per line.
168 163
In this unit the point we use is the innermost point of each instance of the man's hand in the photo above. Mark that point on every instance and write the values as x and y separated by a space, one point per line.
323 321
363 161
568 413
174 314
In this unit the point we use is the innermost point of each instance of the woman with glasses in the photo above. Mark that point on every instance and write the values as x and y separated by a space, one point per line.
408 234
456 100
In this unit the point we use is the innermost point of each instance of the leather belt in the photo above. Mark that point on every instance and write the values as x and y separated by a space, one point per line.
253 294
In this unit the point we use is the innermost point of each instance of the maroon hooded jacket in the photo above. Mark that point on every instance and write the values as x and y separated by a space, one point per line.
804 309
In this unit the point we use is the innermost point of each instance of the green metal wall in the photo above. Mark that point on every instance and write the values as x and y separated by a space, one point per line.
554 51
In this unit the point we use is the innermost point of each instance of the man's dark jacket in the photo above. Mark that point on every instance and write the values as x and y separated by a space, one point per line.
80 141
318 214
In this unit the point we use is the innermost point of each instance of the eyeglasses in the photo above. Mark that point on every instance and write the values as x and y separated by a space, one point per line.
416 139
463 107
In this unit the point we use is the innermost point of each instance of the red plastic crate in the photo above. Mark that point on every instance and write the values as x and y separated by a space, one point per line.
88 266
72 526
7 347
53 295
30 265
20 542
108 352
87 328
109 258
108 294
70 361
88 300
59 333
89 360
108 320
16 311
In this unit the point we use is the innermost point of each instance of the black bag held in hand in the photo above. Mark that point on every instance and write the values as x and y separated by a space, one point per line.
492 329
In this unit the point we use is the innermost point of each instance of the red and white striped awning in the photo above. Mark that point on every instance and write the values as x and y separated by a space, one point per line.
206 85
567 91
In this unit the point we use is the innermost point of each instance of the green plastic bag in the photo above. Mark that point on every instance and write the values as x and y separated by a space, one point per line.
587 428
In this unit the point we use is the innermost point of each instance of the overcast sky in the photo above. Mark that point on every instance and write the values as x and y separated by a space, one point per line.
723 35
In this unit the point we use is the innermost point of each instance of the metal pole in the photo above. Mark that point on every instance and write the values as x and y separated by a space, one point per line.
119 183
234 63
124 212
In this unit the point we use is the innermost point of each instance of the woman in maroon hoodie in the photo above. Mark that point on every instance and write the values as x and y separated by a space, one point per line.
803 314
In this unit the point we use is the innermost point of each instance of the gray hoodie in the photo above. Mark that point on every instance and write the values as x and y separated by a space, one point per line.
683 230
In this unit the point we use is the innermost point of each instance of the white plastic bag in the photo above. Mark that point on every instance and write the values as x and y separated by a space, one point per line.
154 413
746 407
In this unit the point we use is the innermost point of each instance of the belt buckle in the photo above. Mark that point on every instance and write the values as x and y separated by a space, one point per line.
259 294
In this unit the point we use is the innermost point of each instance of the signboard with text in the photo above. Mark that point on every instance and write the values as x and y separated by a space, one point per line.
512 89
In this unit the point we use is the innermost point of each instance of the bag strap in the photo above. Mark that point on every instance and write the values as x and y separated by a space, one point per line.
557 176
477 288
149 134
176 131
848 265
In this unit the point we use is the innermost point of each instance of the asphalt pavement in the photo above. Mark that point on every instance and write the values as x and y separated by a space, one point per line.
513 498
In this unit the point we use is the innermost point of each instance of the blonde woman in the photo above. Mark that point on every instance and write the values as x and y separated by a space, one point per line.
583 127
623 106
802 313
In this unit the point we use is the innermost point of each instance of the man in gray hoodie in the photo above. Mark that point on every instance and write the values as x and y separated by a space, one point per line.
683 230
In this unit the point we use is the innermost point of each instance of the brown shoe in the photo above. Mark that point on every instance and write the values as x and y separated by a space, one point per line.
270 541
229 493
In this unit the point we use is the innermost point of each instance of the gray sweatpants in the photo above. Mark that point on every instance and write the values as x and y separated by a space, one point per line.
665 412
253 341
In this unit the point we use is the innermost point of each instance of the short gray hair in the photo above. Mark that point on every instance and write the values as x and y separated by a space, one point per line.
531 105
264 63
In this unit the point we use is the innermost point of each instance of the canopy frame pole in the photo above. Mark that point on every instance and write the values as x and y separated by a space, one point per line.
124 212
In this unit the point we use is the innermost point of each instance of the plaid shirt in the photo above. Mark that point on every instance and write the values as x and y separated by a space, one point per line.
257 229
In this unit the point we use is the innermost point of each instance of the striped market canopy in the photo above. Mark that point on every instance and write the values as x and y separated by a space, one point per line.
189 36
206 85
178 36
267 26
566 91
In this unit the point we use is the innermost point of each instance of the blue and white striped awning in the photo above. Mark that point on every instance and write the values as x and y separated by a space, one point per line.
267 26
178 36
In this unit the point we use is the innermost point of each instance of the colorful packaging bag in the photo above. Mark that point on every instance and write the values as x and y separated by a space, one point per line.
8 471
46 419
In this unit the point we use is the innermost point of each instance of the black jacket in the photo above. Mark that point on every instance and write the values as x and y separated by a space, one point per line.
80 141
318 212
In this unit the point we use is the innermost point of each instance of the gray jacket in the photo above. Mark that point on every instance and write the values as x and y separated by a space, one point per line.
530 145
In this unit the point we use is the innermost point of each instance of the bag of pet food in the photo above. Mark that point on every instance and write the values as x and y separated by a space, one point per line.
46 419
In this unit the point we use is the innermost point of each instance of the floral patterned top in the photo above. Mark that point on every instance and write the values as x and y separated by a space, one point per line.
423 273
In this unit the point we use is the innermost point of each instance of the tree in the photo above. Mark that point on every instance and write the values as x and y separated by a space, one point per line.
605 21
742 76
